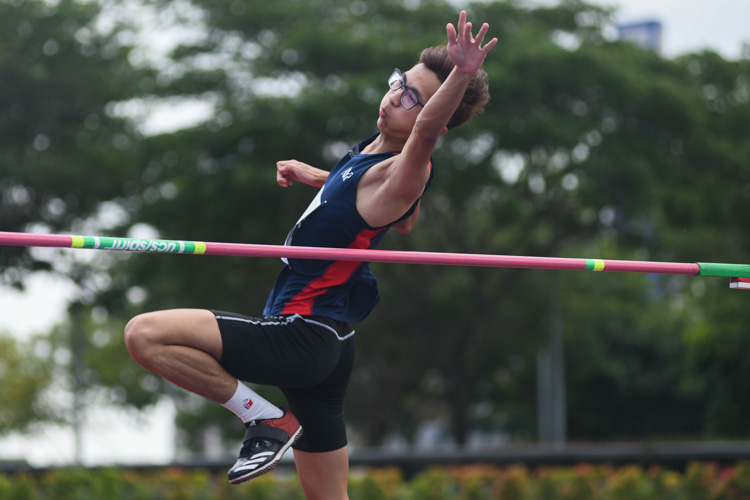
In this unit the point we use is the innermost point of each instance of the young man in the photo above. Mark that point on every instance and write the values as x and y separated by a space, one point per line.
304 342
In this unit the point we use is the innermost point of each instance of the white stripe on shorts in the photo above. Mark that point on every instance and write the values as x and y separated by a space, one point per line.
283 321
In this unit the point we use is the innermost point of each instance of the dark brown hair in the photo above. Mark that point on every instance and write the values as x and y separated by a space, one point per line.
477 94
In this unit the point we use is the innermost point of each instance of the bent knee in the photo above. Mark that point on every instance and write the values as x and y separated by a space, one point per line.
140 337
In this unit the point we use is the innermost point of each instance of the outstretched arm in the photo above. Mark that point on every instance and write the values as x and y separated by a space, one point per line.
467 55
292 170
411 168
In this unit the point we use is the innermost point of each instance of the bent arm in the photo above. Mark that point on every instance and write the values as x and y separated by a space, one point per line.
289 171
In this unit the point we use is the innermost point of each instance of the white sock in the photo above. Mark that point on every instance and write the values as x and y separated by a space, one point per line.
248 405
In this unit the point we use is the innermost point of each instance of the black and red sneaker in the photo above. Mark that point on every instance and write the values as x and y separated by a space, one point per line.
264 444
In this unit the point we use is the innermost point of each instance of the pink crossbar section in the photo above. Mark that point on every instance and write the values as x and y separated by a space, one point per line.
393 256
35 240
446 259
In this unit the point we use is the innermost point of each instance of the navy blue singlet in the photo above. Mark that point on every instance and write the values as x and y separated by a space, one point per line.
340 290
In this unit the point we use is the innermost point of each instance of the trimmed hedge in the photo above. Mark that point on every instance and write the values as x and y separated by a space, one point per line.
701 481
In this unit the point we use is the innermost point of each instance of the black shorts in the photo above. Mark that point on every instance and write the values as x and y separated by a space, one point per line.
309 358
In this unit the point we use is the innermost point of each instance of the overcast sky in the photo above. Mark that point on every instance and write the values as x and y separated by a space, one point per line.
691 25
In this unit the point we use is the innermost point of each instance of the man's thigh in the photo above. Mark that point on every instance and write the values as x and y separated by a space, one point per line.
196 328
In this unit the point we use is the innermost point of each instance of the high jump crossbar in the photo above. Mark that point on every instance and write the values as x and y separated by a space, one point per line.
739 274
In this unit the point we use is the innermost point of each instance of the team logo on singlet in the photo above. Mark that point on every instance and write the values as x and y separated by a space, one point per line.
347 174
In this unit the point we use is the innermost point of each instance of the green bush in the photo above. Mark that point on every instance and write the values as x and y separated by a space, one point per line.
700 481
19 487
375 484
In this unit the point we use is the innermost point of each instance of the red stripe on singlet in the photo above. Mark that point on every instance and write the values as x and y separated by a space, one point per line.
336 274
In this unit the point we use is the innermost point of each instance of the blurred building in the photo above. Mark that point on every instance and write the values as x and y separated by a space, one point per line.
647 34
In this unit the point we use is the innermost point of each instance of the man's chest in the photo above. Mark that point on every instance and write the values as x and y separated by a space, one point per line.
373 178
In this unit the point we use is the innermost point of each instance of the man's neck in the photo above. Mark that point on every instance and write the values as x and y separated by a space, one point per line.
382 144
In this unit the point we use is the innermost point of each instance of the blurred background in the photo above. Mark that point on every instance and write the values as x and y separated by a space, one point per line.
616 130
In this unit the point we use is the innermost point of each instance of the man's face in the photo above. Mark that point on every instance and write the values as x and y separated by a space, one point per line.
418 82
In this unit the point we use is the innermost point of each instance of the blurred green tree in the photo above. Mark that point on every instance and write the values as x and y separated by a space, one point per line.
65 156
590 147
25 376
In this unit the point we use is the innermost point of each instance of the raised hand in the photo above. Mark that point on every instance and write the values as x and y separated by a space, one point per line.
465 51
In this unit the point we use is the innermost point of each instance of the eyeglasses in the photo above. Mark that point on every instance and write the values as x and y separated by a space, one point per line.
409 97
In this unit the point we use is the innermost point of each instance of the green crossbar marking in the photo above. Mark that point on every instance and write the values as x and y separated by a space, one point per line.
724 270
139 245
594 265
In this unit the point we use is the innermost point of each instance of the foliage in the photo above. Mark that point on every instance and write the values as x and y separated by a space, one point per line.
589 147
64 154
25 377
700 481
